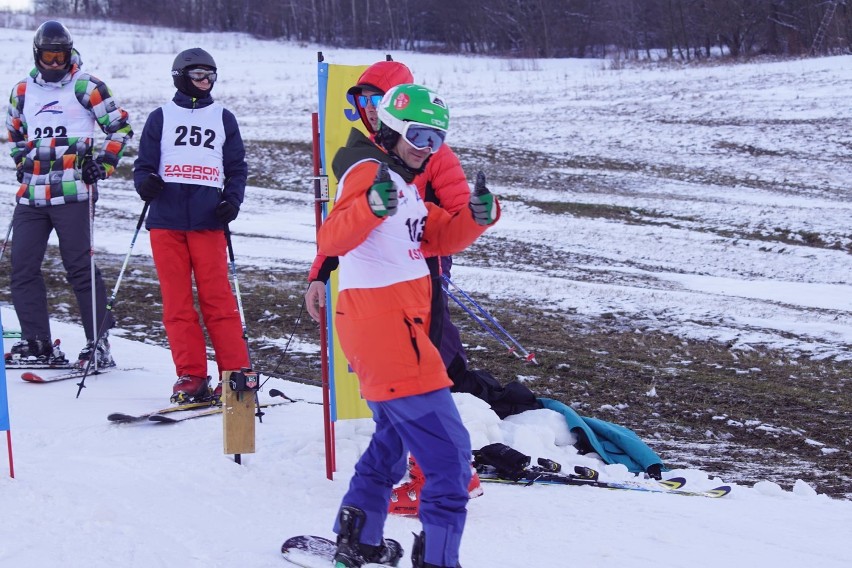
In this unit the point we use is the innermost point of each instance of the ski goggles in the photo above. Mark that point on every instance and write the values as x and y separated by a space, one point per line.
53 57
374 100
201 74
422 137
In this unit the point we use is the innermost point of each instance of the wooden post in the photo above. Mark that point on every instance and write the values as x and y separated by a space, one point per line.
238 410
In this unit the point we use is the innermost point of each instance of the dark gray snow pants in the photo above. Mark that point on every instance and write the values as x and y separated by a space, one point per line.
31 228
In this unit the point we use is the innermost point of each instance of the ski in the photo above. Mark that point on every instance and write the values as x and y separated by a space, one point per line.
178 413
585 476
165 418
74 373
123 418
40 366
11 334
190 414
313 552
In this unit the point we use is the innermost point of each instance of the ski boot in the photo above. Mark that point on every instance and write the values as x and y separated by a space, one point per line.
104 357
190 388
351 553
36 351
405 499
418 553
217 392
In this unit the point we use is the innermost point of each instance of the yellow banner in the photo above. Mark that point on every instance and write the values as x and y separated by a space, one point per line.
338 116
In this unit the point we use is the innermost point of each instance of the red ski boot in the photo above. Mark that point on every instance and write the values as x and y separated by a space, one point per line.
405 499
190 388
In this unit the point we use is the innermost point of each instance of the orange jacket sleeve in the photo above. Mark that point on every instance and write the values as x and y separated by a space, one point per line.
351 220
445 174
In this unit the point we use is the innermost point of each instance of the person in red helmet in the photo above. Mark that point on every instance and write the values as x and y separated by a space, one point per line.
442 182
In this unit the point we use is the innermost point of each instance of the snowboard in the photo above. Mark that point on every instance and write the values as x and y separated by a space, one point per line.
313 552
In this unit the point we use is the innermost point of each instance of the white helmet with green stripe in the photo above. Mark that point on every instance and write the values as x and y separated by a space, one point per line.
413 104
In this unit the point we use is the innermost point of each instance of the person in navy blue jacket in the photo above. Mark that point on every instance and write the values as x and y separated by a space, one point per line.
192 170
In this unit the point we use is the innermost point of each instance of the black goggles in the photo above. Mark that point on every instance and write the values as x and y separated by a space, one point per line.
201 74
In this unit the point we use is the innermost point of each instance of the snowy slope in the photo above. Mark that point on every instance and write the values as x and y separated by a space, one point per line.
88 493
92 494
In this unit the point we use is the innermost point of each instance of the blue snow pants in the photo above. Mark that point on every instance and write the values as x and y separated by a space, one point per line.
429 425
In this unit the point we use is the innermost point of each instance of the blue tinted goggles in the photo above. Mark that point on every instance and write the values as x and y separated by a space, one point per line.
374 100
422 137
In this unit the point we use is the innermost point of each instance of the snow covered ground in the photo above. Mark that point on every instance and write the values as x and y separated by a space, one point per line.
725 154
91 494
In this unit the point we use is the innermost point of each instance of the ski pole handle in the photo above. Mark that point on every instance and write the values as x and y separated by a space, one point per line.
479 188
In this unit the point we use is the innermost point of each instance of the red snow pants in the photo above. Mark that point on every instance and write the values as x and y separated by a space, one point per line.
178 256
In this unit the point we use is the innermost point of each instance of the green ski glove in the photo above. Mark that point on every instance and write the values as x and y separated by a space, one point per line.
482 202
382 196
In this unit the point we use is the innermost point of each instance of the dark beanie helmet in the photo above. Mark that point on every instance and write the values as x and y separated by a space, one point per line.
191 59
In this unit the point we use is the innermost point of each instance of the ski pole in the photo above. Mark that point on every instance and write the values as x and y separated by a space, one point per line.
273 372
478 320
111 301
92 188
527 355
237 289
242 316
6 240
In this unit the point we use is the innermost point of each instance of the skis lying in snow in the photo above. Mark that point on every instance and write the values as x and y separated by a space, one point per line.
74 373
313 552
589 477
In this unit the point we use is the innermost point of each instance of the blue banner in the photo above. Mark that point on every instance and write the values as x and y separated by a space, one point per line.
4 399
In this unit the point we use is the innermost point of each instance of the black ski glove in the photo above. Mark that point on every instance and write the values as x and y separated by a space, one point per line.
226 212
482 202
508 462
19 171
655 471
92 171
150 187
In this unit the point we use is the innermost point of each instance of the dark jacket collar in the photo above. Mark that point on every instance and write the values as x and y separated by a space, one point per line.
185 101
358 148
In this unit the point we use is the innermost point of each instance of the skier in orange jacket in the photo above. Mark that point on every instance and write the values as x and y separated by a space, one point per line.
382 231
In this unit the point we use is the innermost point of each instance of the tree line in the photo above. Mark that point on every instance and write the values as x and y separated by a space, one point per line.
681 29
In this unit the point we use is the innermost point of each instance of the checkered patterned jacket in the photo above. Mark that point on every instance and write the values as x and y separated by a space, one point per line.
51 165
